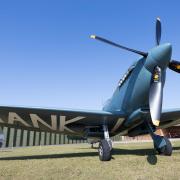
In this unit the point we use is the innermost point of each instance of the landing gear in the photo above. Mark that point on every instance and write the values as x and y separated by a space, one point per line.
105 146
161 144
104 150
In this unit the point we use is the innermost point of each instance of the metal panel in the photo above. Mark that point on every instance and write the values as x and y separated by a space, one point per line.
43 138
31 140
47 138
57 138
36 143
18 137
4 130
25 137
11 137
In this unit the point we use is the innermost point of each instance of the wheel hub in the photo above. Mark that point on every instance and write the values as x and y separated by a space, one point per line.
100 151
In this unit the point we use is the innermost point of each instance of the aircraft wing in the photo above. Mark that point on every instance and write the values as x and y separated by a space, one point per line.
58 120
170 118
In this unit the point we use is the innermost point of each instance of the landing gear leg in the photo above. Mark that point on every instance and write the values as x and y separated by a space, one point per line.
161 144
105 146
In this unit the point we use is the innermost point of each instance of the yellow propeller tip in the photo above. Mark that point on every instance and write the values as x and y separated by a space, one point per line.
158 18
93 36
156 122
178 67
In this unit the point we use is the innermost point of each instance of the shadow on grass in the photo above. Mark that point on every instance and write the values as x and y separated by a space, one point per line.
176 148
51 156
150 153
116 151
139 152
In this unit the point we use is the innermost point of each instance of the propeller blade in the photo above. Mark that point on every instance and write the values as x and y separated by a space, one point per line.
158 31
156 97
175 66
119 46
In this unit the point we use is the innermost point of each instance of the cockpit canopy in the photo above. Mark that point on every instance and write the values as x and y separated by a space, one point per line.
126 75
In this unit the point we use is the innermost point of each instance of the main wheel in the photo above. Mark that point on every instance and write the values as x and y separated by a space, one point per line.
104 150
167 149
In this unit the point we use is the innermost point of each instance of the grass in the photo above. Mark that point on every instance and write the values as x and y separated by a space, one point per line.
130 161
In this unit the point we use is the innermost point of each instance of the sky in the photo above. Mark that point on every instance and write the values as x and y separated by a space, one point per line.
48 60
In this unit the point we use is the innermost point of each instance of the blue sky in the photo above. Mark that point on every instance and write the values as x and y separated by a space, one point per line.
47 58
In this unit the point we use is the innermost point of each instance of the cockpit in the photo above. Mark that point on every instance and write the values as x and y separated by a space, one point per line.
126 75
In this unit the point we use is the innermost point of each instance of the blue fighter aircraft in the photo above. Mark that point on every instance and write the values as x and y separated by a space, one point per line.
134 109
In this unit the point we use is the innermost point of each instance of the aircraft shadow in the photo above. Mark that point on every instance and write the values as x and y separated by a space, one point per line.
50 156
116 151
150 153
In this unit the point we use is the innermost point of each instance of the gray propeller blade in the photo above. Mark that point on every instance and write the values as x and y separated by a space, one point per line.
119 46
158 31
175 66
156 97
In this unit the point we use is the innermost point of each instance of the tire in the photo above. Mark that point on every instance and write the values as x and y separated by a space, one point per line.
167 149
104 150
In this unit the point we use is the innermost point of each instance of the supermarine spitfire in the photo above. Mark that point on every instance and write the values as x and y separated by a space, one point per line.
134 109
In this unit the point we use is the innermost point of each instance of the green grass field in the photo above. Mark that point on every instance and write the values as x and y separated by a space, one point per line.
130 161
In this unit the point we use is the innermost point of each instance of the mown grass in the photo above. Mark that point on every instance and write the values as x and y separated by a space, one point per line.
130 161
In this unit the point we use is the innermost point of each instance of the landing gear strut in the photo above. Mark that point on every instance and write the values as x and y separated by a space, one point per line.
105 146
161 144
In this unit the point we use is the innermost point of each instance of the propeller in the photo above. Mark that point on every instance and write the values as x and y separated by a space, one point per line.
119 46
158 31
175 66
156 96
156 87
144 54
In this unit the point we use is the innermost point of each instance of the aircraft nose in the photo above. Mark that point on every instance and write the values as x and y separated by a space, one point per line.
162 54
159 56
